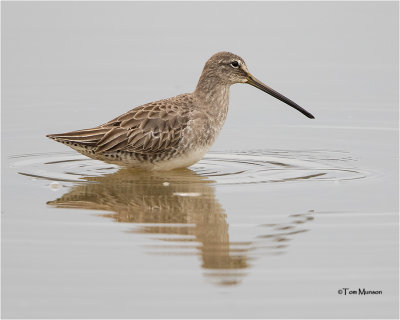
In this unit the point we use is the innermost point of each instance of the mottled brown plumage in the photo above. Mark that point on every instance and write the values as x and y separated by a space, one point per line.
170 133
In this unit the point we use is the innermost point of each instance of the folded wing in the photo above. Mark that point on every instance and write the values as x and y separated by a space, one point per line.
152 128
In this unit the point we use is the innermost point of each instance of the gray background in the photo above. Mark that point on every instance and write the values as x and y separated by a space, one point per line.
67 66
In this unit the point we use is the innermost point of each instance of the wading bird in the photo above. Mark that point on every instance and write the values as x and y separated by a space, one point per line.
175 132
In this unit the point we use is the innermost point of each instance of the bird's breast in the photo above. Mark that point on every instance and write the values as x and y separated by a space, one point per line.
206 125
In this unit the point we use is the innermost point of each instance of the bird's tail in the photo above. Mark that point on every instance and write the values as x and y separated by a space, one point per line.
86 137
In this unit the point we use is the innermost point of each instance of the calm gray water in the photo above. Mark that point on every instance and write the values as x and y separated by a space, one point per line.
283 212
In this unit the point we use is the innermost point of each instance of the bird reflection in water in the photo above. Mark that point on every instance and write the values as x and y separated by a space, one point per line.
181 206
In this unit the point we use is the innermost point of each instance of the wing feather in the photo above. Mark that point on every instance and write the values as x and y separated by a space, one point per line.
150 129
85 136
111 139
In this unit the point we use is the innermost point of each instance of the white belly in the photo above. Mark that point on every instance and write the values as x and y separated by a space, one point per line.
182 161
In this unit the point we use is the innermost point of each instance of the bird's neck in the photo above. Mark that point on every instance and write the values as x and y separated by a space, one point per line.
212 94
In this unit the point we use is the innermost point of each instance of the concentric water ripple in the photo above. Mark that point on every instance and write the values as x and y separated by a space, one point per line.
222 168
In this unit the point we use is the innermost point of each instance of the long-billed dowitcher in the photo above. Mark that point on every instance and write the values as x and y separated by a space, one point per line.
175 132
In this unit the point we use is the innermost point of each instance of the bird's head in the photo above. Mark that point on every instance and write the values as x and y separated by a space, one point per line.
227 68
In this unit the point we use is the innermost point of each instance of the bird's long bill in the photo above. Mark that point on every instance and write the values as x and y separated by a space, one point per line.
258 84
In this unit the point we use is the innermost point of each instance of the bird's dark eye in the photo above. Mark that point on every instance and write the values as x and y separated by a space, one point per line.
235 64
